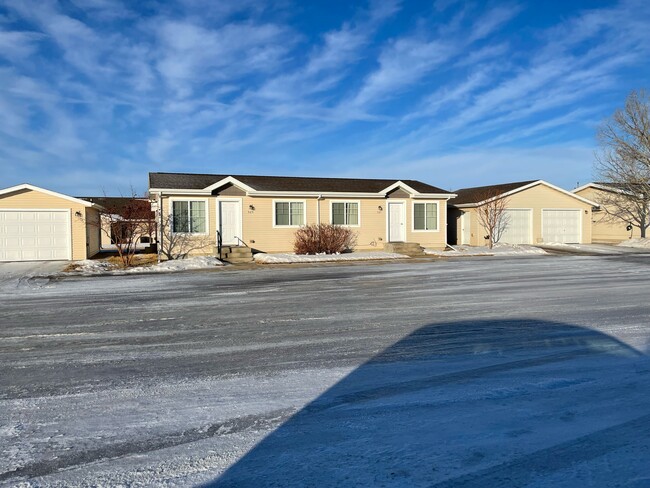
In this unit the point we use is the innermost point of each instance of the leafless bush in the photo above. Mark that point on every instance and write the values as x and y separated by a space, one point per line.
175 245
323 238
492 215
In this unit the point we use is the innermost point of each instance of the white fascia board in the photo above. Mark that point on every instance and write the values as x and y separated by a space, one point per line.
177 191
399 184
27 186
610 189
437 196
229 180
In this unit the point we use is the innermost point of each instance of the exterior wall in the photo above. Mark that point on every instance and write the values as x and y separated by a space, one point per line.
259 233
93 232
605 228
536 198
35 200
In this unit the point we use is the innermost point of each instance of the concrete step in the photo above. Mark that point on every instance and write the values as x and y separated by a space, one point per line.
408 248
237 254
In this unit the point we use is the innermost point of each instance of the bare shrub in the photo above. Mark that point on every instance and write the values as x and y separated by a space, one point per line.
175 245
492 215
323 238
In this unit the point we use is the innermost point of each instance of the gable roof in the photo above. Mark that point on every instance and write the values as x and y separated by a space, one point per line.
471 197
608 186
27 186
288 184
121 205
478 193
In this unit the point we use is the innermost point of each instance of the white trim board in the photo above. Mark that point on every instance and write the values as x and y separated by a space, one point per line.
27 186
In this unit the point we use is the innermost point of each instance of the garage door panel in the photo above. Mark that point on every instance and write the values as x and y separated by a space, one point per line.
519 226
35 235
562 225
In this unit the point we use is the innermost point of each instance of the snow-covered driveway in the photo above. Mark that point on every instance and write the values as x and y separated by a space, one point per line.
482 372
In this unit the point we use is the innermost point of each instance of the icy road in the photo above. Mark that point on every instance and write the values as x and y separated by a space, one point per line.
475 373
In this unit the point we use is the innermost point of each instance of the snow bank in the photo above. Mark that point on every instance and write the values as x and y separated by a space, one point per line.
323 258
643 243
498 249
98 267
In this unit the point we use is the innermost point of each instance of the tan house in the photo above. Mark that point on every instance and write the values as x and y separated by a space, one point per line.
605 228
537 212
38 224
263 212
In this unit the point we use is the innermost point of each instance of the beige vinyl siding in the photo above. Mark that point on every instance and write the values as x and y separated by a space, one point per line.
606 229
259 232
211 234
536 198
93 232
36 200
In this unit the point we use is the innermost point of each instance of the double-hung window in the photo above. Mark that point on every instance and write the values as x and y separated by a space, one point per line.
188 216
345 213
425 216
289 214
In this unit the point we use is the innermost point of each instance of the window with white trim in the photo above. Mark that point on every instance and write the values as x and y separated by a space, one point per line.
290 214
345 213
188 217
425 216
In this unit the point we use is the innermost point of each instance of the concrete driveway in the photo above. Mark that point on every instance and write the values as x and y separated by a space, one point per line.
15 271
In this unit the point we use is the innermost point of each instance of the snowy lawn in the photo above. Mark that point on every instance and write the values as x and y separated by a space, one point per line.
287 258
476 373
100 266
638 243
497 250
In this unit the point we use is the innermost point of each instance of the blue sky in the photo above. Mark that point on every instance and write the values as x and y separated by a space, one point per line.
96 93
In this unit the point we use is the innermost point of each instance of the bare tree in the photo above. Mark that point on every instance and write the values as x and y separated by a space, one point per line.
125 221
491 214
177 245
623 162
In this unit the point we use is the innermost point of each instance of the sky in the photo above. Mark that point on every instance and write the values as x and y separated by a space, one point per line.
94 94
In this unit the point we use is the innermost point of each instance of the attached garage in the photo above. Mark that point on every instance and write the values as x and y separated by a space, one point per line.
537 212
562 225
41 225
519 226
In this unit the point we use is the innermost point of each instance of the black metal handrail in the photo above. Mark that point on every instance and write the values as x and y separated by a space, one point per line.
219 244
242 242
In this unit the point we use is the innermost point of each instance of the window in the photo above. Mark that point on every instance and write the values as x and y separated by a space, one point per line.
425 216
290 214
188 217
345 213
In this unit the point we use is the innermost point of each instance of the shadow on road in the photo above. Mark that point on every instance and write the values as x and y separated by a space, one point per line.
475 403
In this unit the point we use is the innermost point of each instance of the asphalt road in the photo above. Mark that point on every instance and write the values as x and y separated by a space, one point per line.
171 379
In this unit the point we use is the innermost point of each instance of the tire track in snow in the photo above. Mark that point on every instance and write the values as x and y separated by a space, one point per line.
265 422
520 471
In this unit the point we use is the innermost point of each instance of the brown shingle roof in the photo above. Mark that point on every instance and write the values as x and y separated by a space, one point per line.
480 193
284 183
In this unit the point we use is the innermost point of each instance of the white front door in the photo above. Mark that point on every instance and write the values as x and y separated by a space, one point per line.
562 226
396 218
35 235
229 221
465 230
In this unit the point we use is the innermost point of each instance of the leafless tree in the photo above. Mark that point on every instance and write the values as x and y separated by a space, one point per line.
623 162
491 214
175 245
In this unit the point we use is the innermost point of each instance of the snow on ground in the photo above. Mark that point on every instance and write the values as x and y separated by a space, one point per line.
287 258
476 373
498 249
99 267
638 242
591 248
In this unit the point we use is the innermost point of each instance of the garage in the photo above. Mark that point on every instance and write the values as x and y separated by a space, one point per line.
562 225
42 225
519 226
28 235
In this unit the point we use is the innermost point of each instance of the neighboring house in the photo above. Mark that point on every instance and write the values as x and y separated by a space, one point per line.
605 228
537 212
124 207
38 224
263 212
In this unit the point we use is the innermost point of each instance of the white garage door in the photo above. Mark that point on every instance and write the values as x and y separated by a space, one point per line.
561 226
519 226
34 235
